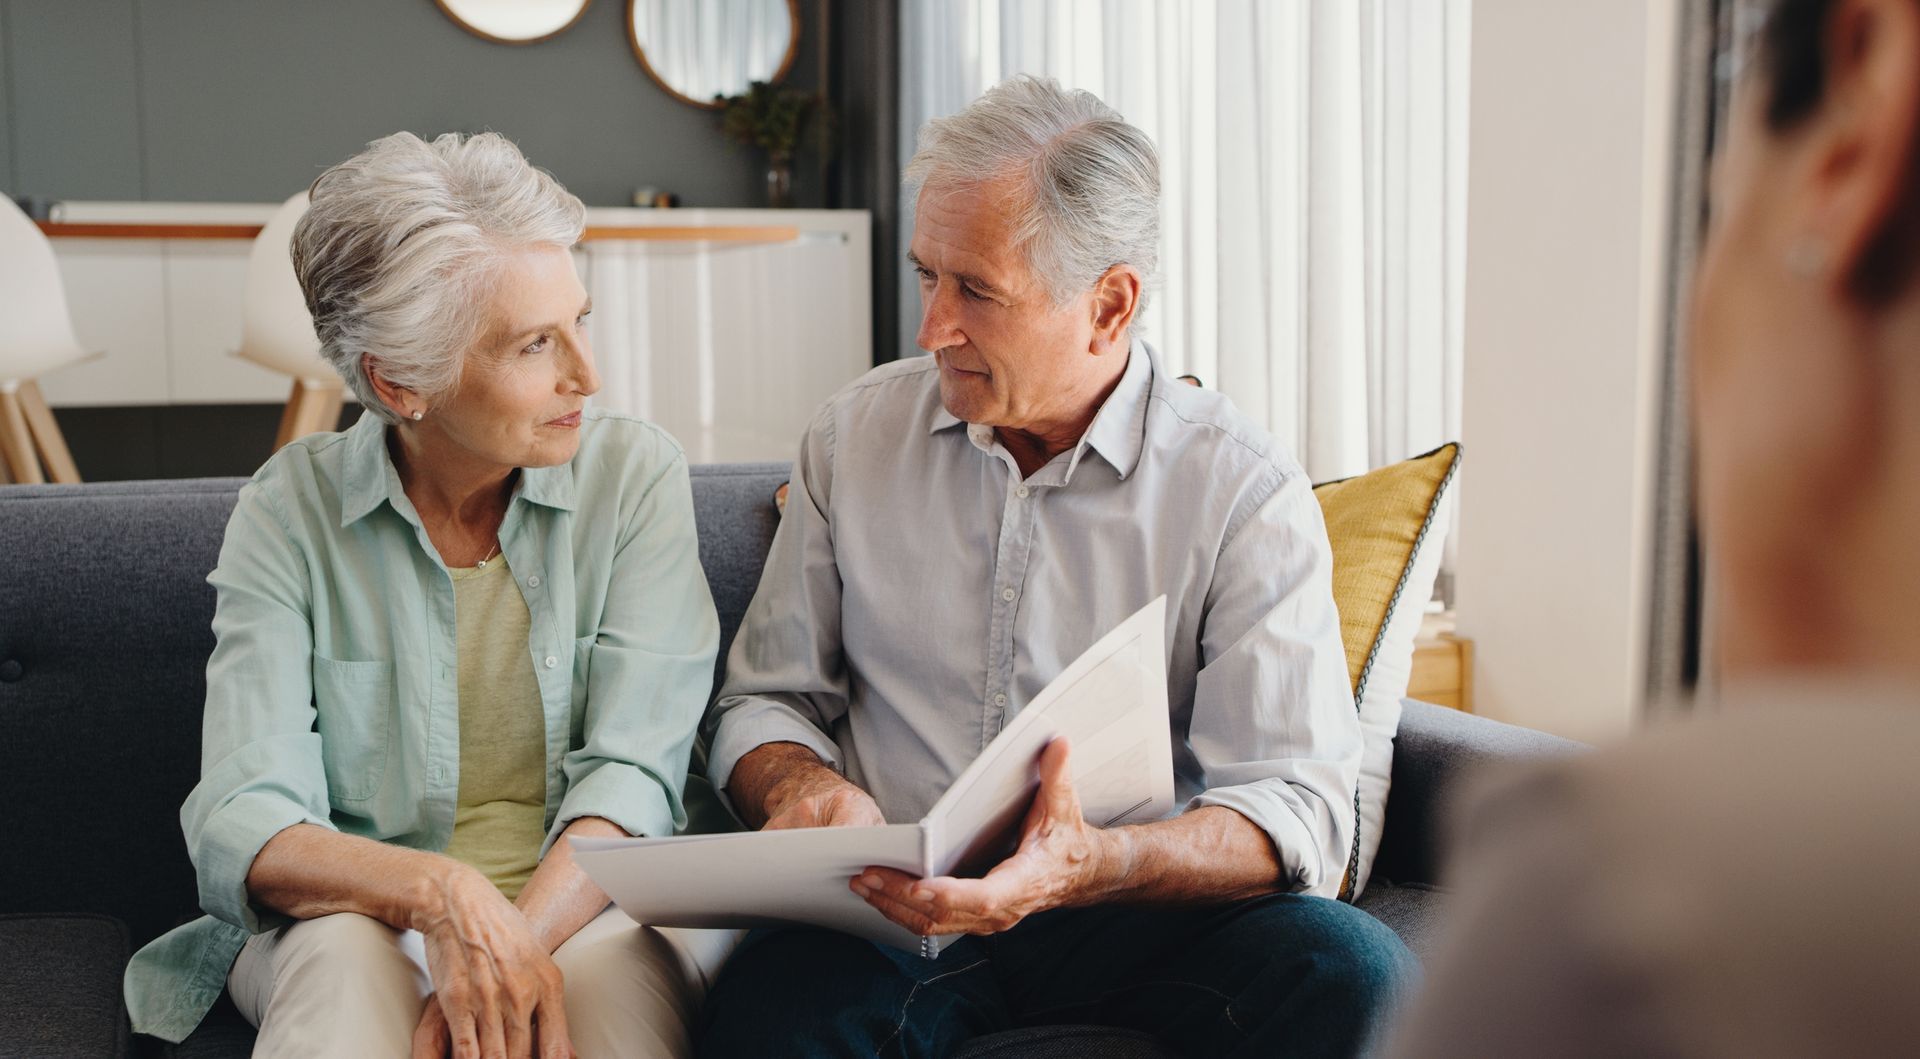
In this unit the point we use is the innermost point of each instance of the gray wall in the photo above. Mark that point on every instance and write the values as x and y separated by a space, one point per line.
248 100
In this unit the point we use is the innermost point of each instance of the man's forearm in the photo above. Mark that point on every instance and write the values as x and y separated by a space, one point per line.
1209 855
759 774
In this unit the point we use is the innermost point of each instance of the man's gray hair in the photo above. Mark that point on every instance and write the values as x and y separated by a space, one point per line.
1092 197
400 245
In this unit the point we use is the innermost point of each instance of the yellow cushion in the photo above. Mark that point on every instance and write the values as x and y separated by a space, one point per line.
1373 522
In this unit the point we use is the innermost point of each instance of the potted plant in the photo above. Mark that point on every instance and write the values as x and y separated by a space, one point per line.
774 119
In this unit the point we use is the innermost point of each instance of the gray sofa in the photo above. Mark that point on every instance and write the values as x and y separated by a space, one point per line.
104 636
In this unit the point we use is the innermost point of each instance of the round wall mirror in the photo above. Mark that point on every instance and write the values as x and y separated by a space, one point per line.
514 21
700 49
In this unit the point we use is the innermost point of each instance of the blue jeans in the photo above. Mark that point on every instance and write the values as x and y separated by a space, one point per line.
1281 974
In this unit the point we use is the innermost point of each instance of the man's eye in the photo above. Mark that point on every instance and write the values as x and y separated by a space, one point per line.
974 294
583 318
925 276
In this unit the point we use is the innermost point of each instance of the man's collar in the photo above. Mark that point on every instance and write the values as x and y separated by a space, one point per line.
1118 431
370 477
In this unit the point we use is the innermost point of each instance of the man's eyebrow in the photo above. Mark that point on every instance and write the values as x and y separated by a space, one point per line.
967 278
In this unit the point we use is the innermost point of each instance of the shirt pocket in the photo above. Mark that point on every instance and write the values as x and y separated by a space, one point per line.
582 669
354 701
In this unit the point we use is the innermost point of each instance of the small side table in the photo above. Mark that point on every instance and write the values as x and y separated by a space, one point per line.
1442 665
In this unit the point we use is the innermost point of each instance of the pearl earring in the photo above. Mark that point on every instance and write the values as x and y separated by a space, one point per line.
418 415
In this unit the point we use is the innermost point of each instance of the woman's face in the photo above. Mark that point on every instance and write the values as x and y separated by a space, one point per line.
1787 356
523 384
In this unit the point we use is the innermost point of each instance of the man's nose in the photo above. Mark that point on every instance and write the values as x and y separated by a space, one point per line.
938 329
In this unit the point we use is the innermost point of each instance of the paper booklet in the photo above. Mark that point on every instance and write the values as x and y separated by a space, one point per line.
1111 703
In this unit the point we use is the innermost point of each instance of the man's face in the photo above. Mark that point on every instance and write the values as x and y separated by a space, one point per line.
1009 357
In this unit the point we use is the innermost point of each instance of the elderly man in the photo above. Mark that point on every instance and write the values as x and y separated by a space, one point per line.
960 528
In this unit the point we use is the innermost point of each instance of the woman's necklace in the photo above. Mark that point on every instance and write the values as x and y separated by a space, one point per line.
482 564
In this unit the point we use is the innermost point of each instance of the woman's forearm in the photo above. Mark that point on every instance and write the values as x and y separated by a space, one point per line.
307 871
559 899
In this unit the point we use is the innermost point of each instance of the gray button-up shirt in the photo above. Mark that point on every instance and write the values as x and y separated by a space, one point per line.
919 593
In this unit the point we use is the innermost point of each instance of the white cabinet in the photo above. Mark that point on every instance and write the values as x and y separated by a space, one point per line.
728 344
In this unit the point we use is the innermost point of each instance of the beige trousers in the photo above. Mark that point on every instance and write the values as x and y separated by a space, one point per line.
349 986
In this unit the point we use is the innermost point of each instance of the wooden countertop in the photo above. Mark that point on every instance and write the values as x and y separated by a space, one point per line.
663 233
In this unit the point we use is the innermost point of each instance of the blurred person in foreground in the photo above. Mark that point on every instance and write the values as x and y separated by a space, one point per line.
1745 884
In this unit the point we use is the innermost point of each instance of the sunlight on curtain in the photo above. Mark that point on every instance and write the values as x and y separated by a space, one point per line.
1313 173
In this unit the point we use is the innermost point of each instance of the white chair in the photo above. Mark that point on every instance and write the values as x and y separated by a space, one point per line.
36 337
276 331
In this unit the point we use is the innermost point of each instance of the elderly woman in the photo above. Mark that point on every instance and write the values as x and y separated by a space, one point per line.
469 627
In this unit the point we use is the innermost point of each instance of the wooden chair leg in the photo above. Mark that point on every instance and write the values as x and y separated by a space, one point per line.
46 435
290 417
16 441
330 413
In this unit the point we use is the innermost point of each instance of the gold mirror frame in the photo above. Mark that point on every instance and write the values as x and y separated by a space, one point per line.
779 75
448 11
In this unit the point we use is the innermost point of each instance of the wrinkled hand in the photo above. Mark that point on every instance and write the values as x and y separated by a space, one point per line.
1062 861
817 796
498 992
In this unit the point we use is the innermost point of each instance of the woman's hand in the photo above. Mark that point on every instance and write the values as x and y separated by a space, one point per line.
497 991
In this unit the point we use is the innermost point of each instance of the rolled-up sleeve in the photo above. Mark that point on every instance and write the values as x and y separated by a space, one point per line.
786 674
651 668
1273 721
261 766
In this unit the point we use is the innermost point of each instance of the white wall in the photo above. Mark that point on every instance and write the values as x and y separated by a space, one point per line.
1566 237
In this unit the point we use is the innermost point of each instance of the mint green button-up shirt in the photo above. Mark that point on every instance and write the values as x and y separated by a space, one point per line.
331 692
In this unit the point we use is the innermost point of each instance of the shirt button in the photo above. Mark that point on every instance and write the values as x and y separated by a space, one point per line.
552 661
1007 594
1022 492
999 700
534 581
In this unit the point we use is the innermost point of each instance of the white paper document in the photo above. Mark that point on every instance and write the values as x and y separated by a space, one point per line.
1111 704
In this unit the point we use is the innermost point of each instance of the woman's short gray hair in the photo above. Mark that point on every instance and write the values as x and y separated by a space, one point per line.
398 249
1092 181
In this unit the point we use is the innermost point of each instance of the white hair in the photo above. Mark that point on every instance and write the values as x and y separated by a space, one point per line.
1092 182
400 245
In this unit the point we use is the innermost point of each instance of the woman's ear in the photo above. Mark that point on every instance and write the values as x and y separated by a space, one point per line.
1863 175
1116 300
398 399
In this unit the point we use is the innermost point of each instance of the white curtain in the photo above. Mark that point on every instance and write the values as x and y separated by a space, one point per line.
1313 171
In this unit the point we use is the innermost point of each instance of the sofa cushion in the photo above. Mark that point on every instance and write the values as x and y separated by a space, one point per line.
107 629
60 985
1436 750
1412 911
1385 527
223 1034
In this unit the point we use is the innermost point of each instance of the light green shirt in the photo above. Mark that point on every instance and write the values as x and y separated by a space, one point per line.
500 819
332 692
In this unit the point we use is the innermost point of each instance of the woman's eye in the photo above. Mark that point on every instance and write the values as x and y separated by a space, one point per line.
539 345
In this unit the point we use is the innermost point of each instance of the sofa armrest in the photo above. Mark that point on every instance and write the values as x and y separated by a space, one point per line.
1435 751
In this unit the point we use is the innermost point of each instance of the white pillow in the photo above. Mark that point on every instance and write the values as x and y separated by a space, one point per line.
1384 684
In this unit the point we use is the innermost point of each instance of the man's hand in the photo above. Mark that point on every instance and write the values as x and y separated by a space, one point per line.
817 796
785 785
1062 861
